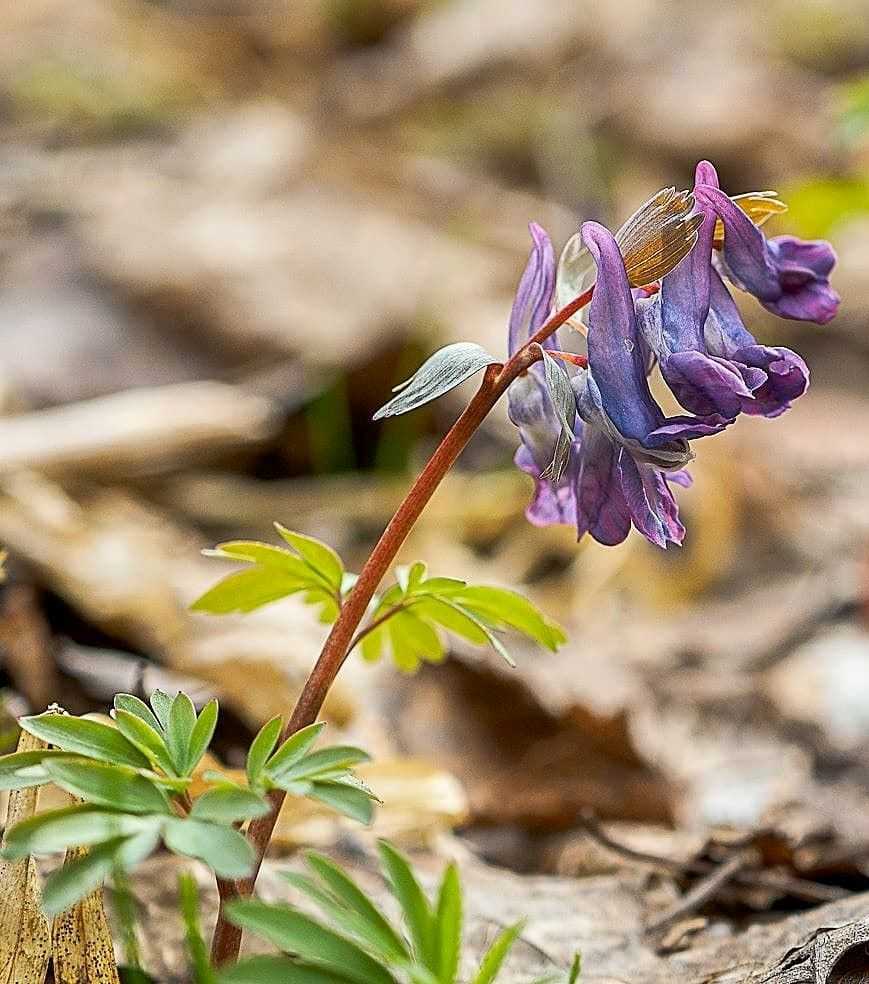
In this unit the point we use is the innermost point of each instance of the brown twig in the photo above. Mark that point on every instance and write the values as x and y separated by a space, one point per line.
702 892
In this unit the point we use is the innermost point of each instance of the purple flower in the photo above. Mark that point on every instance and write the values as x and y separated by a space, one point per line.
529 404
629 448
707 357
789 276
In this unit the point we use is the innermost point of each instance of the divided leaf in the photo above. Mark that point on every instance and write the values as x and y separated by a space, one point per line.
309 566
411 614
85 737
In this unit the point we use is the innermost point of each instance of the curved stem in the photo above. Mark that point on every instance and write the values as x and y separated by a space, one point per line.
227 938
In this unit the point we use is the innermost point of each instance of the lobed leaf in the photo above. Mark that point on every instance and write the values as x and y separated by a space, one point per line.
222 848
509 609
149 741
351 800
319 556
293 749
321 764
73 826
244 591
228 804
133 705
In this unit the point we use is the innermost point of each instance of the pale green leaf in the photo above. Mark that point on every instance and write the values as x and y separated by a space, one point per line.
79 877
74 826
448 925
299 934
494 958
145 738
319 556
201 735
264 554
228 804
179 730
415 906
294 748
350 800
261 748
244 591
85 737
223 849
22 770
278 970
114 786
133 705
508 609
318 764
188 898
162 704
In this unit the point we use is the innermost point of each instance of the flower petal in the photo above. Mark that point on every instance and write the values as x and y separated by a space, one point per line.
534 295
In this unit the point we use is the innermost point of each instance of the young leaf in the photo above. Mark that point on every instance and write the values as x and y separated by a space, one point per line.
277 970
448 926
200 737
497 953
188 895
108 785
447 614
21 770
417 911
575 968
244 591
260 749
133 705
440 373
312 942
145 738
510 609
264 554
351 896
162 704
229 804
222 848
179 730
317 765
80 825
320 557
80 876
350 800
85 737
294 748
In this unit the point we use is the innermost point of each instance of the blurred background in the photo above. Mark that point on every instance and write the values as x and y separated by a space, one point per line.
228 227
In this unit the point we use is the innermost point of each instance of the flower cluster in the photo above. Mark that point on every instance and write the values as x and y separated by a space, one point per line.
612 467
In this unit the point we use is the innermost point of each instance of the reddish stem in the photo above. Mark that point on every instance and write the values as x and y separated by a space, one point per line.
227 938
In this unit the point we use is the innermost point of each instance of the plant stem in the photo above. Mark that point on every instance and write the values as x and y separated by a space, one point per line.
227 938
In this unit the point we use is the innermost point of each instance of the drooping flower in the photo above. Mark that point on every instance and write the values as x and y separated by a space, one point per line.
629 448
707 357
789 276
529 403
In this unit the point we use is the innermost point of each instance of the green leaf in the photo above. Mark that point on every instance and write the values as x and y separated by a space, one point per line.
497 954
200 737
261 748
108 785
509 609
452 618
228 804
188 897
223 849
264 554
417 911
575 968
350 800
372 644
317 555
294 748
85 737
21 770
314 943
244 591
329 608
413 639
448 925
351 896
74 826
162 704
79 877
132 705
321 764
277 970
179 730
145 738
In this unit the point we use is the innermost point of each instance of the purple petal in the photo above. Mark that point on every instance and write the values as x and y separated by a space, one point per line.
615 354
680 477
706 385
687 429
705 174
650 502
601 509
533 299
550 505
786 378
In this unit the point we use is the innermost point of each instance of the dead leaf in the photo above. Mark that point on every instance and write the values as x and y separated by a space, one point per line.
80 940
25 937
